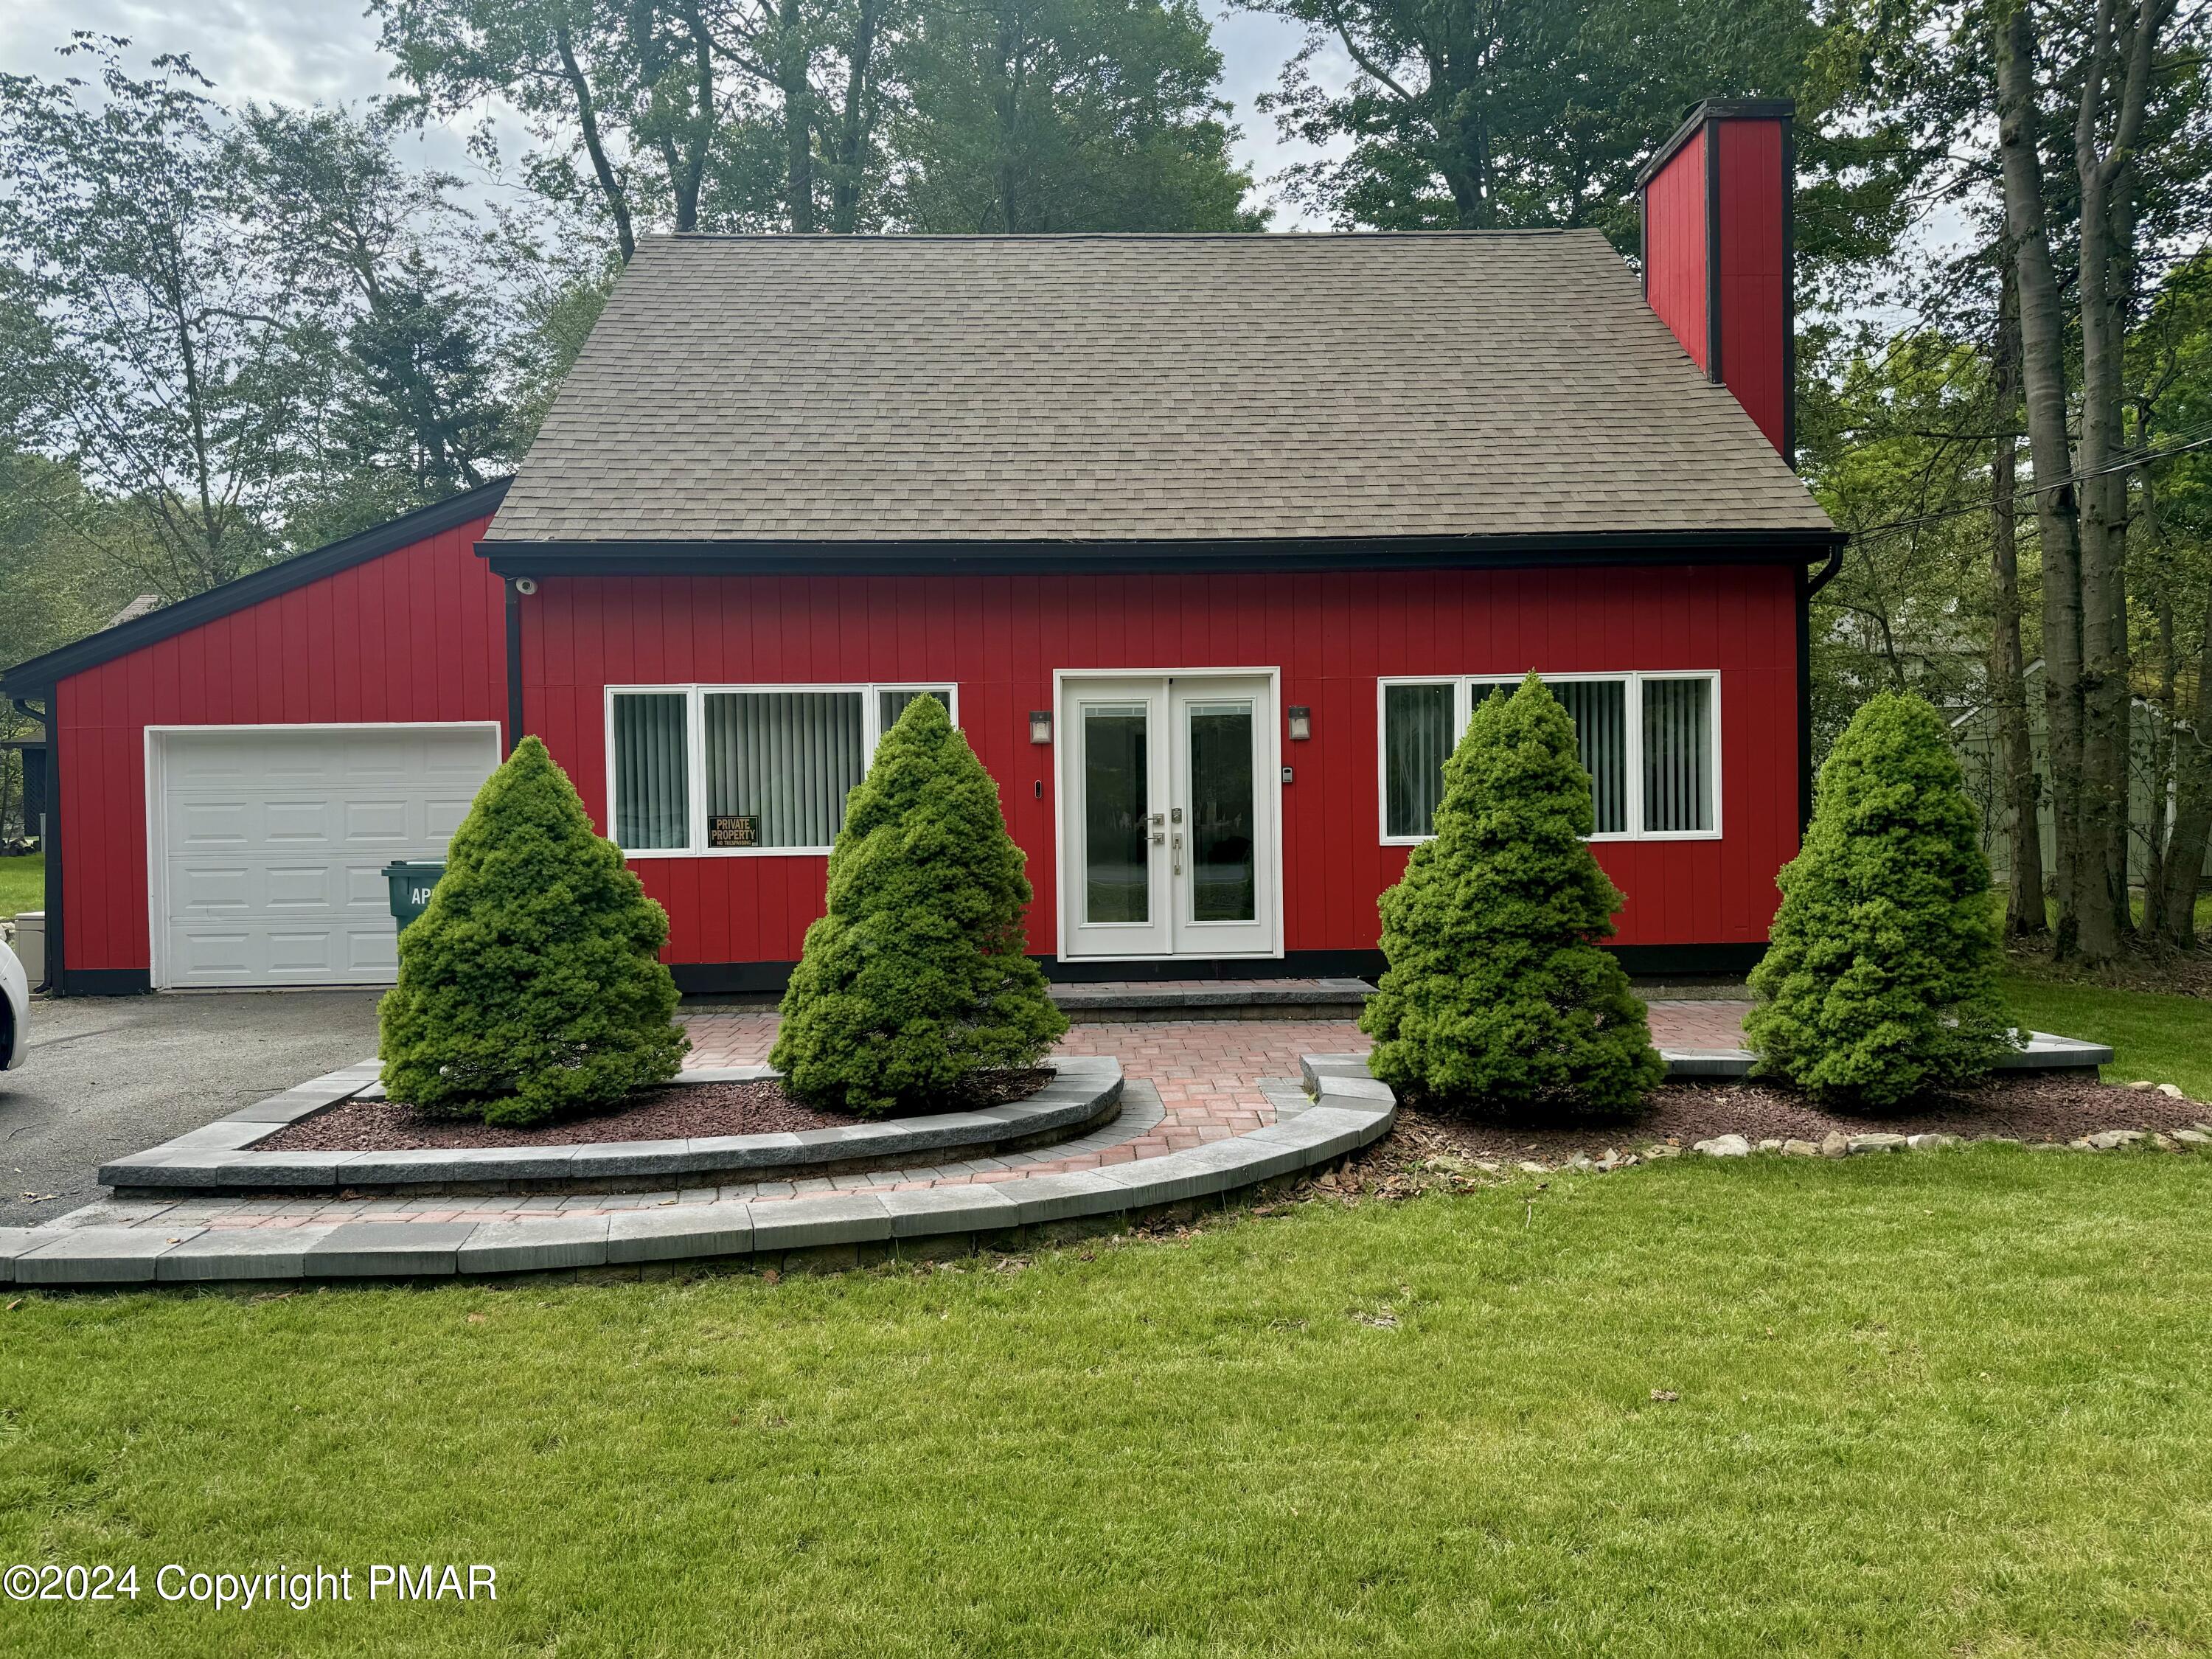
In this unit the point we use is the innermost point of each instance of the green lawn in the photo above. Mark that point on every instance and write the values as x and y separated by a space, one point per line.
22 885
1942 1404
2163 1037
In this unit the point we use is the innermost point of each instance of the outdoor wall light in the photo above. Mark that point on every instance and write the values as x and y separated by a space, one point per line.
1301 722
1040 725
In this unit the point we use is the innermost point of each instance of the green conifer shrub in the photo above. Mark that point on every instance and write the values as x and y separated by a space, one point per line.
915 978
1882 978
1497 990
531 986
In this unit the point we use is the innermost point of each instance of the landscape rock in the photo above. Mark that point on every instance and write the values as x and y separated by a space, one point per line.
2192 1138
1800 1149
1528 1166
1770 1145
1835 1144
1930 1142
1724 1146
2142 1084
1877 1143
2172 1091
2105 1140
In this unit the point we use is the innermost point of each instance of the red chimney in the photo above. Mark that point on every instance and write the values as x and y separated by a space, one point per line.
1717 251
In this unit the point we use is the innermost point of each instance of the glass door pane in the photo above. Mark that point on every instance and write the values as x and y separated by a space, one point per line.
1222 831
1116 797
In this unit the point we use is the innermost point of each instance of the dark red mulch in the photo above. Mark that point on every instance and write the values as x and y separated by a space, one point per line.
677 1111
2036 1106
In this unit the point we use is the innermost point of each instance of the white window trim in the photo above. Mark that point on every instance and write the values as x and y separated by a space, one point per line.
1463 710
696 694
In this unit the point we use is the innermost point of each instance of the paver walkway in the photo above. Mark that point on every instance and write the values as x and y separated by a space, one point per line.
1187 1082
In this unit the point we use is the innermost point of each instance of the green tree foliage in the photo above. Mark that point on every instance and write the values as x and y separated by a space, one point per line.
1009 123
1881 978
1464 114
915 979
1498 989
531 986
158 350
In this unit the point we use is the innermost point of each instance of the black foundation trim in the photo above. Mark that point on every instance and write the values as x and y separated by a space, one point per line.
766 980
108 982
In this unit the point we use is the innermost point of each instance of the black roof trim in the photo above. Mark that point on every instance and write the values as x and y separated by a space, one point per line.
661 558
1714 109
40 673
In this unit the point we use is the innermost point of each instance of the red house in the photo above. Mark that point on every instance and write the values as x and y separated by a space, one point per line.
1209 542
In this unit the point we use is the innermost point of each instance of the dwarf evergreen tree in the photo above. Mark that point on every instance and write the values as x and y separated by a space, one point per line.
1882 978
532 986
916 978
1498 988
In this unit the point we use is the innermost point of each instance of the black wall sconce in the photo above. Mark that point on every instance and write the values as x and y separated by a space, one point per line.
1301 718
1040 725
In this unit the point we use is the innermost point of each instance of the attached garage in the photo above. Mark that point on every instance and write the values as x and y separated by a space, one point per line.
269 842
229 774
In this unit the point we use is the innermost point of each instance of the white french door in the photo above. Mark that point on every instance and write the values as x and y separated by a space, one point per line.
1167 828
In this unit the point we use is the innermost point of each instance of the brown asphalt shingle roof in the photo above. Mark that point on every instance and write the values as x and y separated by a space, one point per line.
1120 388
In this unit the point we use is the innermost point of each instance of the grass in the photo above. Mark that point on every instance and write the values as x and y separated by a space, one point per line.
2155 1035
1948 1403
22 885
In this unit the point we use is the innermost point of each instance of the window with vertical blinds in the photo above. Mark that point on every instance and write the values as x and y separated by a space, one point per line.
1419 726
739 770
653 799
1646 741
1678 756
787 759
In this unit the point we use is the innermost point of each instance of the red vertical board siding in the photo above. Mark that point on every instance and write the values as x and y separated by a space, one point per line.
1755 319
418 636
404 637
1675 246
1332 636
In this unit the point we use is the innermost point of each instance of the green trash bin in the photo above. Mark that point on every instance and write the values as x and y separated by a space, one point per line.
410 886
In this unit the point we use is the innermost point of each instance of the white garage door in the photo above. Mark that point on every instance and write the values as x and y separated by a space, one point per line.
273 843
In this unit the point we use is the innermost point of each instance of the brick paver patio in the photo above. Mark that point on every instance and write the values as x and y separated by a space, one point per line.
1188 1082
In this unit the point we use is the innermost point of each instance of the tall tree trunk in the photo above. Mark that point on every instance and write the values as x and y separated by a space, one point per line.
2025 916
854 125
2079 867
2115 90
2186 846
794 72
611 187
2103 553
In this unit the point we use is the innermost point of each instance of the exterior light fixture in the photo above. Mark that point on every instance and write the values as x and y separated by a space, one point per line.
1040 725
1301 718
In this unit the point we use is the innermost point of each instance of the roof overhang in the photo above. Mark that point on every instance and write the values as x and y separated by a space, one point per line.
916 558
40 674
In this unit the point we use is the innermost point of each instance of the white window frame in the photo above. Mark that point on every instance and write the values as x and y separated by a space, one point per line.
694 694
1464 711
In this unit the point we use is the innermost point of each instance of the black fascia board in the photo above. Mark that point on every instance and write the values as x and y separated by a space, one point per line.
40 672
854 558
1714 109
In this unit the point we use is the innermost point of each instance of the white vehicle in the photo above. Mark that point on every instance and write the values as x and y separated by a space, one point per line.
15 1011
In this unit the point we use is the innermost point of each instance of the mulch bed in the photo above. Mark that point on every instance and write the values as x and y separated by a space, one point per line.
2033 1107
677 1111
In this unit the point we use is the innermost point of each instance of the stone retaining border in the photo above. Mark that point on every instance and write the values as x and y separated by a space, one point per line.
1345 1114
219 1160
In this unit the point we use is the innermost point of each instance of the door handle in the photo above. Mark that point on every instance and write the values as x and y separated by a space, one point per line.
1159 837
1178 853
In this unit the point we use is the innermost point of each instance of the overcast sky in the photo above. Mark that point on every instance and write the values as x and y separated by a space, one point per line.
303 51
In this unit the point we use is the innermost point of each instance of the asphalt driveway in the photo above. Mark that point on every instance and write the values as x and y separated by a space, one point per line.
111 1075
